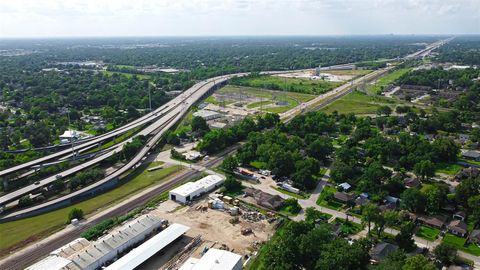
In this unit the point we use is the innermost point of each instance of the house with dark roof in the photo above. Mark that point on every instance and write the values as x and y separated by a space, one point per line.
381 250
264 199
467 173
361 201
458 227
343 197
474 237
460 215
435 221
471 155
411 182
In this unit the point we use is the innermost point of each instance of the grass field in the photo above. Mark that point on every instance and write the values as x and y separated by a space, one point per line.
328 204
349 72
128 75
258 104
299 85
459 242
428 233
448 168
386 80
15 232
359 103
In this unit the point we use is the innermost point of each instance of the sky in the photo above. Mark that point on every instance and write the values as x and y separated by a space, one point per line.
106 18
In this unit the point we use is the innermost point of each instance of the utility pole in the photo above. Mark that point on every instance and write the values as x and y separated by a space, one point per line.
71 135
150 97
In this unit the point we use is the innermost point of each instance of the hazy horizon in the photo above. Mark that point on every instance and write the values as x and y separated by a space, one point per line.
230 18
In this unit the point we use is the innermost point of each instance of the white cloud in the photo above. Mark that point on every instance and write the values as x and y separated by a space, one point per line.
236 17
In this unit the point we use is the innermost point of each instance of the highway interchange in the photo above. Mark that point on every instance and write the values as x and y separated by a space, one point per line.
159 121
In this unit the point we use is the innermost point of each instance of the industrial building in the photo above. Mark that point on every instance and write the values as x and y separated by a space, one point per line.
82 254
142 253
207 115
214 259
188 191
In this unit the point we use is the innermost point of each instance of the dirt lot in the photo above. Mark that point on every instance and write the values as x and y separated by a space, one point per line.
214 228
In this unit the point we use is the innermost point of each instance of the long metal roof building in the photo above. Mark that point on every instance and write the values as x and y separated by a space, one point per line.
143 252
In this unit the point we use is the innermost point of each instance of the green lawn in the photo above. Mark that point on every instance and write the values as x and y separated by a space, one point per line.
428 233
258 164
288 211
298 85
258 104
329 204
15 232
291 194
350 227
386 80
128 75
359 103
458 242
470 161
349 72
448 168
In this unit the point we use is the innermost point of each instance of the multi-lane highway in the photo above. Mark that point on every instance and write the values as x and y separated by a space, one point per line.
160 121
176 110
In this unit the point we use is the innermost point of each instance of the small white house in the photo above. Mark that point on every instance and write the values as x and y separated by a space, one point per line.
188 191
345 186
69 135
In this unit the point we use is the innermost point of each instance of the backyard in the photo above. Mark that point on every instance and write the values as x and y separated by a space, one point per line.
326 198
428 233
459 242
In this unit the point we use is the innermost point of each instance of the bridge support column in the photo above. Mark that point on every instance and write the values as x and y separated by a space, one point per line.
5 183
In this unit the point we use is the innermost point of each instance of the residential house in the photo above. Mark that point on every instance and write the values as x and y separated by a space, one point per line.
458 227
435 221
344 197
345 186
381 250
471 155
361 201
460 215
467 173
264 199
474 237
411 182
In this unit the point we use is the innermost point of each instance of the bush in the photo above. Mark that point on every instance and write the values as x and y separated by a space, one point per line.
75 213
232 185
25 201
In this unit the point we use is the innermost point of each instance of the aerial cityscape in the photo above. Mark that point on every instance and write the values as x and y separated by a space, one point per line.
211 135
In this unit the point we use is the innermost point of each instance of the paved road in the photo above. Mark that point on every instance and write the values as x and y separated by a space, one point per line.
33 252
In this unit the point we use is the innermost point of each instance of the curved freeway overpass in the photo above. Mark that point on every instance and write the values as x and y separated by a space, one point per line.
161 120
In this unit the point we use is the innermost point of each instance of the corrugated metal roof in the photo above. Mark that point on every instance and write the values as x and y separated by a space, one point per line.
52 262
140 254
191 187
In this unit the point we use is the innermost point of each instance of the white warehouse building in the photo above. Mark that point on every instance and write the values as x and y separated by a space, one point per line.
82 254
188 191
207 115
214 259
